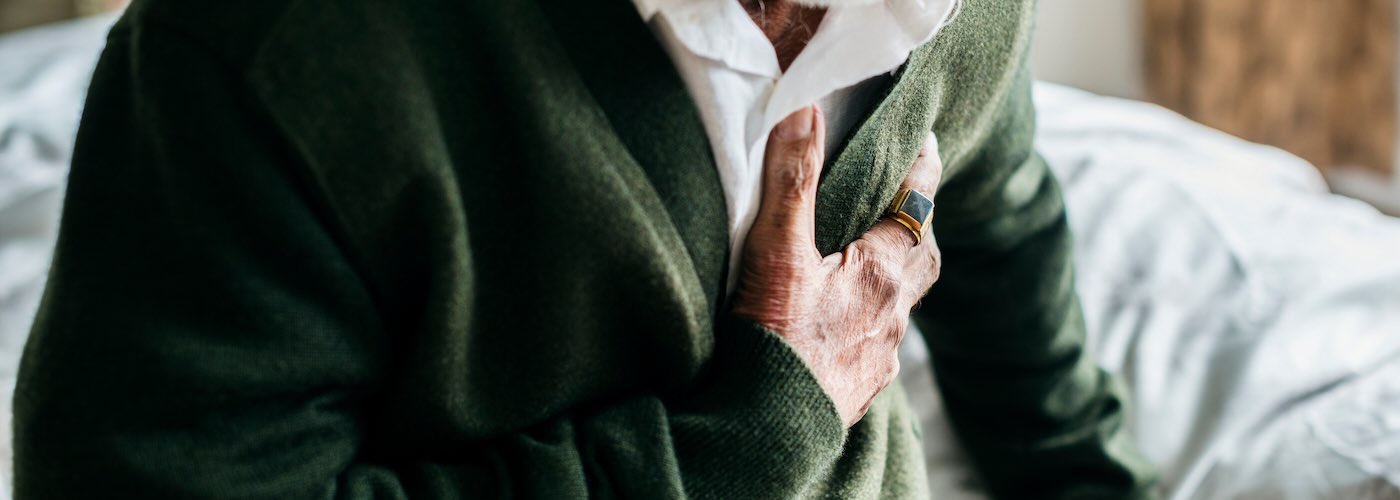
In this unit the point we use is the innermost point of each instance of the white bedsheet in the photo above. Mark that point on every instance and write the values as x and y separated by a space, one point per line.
1256 317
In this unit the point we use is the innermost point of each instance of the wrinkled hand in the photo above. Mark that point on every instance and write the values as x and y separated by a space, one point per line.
844 314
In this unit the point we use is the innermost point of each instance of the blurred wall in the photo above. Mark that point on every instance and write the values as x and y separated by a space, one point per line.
20 14
1095 45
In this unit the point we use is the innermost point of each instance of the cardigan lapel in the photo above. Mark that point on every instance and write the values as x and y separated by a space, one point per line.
861 179
647 104
651 111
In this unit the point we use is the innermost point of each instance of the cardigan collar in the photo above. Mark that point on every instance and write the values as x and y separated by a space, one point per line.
648 106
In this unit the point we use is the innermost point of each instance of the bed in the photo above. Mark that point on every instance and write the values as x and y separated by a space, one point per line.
1255 316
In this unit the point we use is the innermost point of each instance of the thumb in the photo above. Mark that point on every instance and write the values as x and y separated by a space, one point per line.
791 167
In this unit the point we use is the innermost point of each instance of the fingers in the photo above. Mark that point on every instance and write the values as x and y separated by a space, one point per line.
922 269
928 168
925 262
891 240
791 167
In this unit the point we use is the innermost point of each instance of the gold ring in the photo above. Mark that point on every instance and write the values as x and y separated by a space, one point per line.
913 210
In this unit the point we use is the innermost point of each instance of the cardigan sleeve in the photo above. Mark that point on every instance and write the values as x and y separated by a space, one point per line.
1005 331
204 335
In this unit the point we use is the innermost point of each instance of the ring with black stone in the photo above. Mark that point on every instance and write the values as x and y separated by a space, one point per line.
913 210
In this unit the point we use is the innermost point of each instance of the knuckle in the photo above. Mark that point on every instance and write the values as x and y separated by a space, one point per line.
888 242
798 172
930 243
879 281
933 179
928 168
901 325
882 277
790 177
935 264
855 255
930 258
925 180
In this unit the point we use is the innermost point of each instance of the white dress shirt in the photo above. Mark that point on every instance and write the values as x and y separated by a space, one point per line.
732 72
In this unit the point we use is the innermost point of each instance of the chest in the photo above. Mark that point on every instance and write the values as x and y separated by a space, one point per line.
527 216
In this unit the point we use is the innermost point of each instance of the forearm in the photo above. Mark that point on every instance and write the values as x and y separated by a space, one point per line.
758 427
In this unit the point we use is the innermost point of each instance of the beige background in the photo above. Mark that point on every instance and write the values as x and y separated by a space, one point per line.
1098 45
15 14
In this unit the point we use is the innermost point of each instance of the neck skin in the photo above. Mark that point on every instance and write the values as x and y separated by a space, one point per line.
787 25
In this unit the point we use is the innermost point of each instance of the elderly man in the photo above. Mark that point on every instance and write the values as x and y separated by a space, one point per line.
554 249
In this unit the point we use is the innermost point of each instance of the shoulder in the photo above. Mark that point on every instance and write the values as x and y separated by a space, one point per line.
246 33
975 71
982 48
231 31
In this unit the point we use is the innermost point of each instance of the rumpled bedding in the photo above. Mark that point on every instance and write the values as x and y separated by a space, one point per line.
1255 316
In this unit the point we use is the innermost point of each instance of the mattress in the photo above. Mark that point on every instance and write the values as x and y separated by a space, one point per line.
1255 316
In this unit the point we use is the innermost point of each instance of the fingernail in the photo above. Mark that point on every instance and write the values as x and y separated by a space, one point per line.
797 125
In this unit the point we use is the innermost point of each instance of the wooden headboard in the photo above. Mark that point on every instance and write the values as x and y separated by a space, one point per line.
1314 77
20 14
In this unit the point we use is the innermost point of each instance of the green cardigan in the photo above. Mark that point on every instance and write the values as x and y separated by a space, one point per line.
421 249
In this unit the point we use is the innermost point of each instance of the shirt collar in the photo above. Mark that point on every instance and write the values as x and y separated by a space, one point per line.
853 43
719 29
